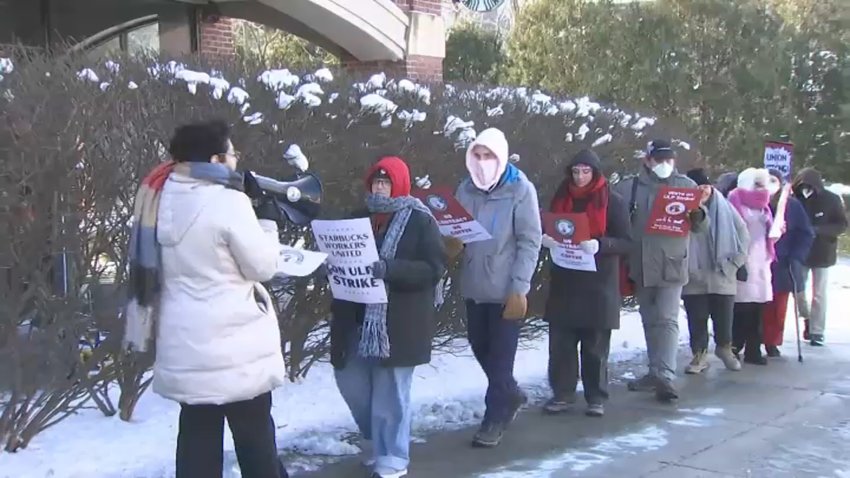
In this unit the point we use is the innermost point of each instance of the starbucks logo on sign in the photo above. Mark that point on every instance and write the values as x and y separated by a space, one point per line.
290 256
565 228
675 209
480 5
437 203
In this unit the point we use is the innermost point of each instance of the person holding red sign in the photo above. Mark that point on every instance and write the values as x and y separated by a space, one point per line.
496 274
658 265
582 306
752 201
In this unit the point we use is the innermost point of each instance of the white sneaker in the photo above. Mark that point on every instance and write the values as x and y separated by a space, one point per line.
387 473
699 364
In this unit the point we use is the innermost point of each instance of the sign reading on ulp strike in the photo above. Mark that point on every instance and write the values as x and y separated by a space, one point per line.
779 156
350 246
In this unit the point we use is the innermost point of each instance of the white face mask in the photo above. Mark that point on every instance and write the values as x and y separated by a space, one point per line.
663 170
487 174
773 187
807 192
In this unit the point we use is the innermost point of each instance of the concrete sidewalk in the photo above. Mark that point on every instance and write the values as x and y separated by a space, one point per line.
783 420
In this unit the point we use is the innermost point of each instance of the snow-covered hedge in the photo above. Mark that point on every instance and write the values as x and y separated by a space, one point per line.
76 137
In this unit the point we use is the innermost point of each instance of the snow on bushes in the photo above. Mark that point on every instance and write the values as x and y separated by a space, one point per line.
76 138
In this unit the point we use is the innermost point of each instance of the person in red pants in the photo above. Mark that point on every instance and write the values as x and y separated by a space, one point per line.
787 271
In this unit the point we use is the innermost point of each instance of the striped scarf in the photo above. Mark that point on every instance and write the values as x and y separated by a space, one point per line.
374 338
144 254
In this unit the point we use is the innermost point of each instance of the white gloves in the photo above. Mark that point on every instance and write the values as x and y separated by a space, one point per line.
590 247
550 243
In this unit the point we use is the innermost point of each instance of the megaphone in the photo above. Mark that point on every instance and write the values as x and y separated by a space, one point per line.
299 198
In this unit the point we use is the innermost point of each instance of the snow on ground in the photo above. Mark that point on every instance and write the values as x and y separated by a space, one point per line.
312 419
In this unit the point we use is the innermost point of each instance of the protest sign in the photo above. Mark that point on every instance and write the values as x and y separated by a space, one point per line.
350 246
669 215
570 256
298 262
451 217
779 226
567 228
779 156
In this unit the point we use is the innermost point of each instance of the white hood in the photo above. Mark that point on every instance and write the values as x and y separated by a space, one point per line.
486 178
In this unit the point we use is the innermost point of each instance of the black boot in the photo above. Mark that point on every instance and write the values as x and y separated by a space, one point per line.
773 351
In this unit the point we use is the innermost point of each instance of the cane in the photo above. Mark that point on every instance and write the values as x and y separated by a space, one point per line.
796 312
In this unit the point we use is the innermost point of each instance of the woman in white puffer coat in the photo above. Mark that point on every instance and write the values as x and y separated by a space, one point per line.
218 344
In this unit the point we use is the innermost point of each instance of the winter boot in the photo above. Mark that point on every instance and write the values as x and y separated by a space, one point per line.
773 351
643 384
557 405
699 364
595 410
755 357
489 435
728 357
816 340
665 391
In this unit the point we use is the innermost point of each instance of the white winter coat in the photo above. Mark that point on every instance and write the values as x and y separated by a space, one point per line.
758 287
218 339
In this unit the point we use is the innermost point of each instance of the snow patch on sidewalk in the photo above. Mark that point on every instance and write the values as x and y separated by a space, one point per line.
647 439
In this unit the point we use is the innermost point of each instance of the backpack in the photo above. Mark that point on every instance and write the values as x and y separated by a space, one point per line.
627 285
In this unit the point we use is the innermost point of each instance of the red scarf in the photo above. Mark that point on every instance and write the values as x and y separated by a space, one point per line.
596 194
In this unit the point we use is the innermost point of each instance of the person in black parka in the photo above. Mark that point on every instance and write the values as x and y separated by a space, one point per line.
583 307
829 220
374 377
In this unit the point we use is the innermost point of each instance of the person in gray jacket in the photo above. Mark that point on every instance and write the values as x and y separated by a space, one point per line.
714 258
496 273
658 266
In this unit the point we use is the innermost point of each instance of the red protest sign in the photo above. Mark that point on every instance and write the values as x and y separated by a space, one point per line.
451 216
669 216
567 228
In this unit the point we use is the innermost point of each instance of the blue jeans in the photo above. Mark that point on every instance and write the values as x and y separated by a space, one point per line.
379 400
494 343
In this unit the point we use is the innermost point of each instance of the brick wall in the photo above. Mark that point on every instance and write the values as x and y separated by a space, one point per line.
216 37
433 7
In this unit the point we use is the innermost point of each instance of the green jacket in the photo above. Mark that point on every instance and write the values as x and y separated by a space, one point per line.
657 260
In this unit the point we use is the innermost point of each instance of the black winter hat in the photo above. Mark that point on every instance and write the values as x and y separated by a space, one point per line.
698 176
588 158
660 149
776 174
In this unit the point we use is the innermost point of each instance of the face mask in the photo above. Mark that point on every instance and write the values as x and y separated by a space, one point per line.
807 192
663 170
773 188
485 174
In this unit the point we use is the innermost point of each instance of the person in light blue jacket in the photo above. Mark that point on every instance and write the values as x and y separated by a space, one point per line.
496 273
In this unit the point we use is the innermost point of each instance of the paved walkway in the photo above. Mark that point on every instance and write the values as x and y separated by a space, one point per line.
783 420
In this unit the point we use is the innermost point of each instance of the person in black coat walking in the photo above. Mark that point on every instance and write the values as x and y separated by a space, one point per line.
583 307
375 379
787 271
826 212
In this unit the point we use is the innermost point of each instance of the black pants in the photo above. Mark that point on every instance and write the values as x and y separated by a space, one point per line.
494 343
747 328
564 362
199 441
721 310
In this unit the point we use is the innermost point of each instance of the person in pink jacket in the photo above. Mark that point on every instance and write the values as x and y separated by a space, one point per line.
751 198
